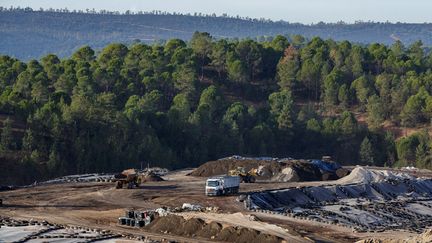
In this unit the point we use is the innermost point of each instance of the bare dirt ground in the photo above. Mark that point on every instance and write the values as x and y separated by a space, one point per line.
98 205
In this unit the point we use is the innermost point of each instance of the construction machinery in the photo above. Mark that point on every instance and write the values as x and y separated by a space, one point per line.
222 185
130 177
245 176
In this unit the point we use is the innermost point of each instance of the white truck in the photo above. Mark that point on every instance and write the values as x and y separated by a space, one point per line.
222 185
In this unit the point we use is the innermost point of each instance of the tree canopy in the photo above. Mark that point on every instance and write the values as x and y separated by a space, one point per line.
179 104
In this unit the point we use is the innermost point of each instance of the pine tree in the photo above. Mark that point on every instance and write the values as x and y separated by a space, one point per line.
28 141
6 138
375 110
421 155
366 152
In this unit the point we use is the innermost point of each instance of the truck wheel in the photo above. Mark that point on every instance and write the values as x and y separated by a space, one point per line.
138 181
119 185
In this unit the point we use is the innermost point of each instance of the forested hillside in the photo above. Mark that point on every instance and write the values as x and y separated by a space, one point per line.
27 34
180 104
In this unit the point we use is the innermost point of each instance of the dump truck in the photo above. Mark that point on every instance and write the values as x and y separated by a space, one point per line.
222 185
245 176
130 177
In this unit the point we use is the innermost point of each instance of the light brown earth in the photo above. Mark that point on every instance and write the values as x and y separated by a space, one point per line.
98 205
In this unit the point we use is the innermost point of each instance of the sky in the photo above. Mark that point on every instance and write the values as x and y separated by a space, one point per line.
303 11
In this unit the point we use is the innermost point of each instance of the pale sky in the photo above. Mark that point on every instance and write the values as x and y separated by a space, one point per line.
304 11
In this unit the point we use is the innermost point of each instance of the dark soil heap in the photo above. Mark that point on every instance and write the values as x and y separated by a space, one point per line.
152 177
304 170
194 227
221 167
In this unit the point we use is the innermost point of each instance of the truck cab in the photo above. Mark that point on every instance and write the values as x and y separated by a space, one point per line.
214 187
222 185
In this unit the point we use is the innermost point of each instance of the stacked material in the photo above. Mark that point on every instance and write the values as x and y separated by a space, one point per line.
81 178
137 218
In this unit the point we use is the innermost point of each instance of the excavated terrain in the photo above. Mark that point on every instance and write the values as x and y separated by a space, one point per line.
98 205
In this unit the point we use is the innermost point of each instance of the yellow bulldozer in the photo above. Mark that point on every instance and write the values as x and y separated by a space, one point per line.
130 177
245 176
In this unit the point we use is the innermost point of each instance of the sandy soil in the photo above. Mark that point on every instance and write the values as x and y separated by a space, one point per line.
98 205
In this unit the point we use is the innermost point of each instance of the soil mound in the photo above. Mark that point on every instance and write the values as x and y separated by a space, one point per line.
220 167
287 171
264 238
210 230
287 174
247 235
306 171
300 171
244 235
193 226
177 225
171 224
228 234
152 177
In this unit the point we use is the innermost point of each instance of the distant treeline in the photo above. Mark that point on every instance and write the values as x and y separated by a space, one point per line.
26 33
129 12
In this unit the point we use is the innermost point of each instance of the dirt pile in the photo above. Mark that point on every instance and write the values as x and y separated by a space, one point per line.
210 230
287 174
299 170
306 171
287 170
152 177
221 167
193 227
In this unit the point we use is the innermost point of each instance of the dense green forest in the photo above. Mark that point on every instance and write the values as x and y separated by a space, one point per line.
180 104
27 34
